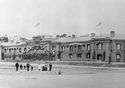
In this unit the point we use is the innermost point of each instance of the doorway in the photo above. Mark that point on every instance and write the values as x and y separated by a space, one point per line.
99 56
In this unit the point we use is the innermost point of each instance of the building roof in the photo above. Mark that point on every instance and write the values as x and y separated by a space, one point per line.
71 39
116 37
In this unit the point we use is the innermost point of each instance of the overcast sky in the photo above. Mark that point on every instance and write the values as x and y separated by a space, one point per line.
20 17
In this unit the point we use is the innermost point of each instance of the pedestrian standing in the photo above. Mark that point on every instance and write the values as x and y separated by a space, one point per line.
27 66
50 67
109 59
46 66
39 66
31 68
21 66
17 66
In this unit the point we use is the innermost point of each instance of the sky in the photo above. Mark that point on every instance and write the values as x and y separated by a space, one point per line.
28 18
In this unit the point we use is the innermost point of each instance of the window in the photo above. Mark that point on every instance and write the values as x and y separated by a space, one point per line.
19 49
100 46
79 47
67 46
70 56
75 46
79 55
25 49
5 50
118 46
88 47
118 56
71 48
10 50
63 48
14 49
88 55
53 47
83 45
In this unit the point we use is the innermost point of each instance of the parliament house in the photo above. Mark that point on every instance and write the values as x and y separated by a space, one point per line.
90 47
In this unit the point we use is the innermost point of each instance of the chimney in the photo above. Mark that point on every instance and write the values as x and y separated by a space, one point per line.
73 36
112 33
92 34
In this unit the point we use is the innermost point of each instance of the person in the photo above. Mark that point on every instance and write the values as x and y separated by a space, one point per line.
31 68
21 66
50 67
46 66
39 66
109 59
28 65
17 66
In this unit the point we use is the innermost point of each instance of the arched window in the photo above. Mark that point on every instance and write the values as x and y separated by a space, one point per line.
118 46
79 47
88 47
63 48
99 46
71 48
88 55
53 47
70 56
19 49
75 46
25 49
118 57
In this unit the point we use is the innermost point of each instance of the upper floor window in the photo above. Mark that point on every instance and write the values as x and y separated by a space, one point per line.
75 46
63 48
10 50
71 48
79 47
88 47
83 45
118 46
53 47
100 46
19 49
14 49
25 49
5 50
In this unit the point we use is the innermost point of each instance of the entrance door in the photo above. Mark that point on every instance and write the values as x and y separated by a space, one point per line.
99 56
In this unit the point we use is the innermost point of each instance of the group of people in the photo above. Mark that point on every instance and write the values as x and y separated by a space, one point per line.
21 66
41 67
45 67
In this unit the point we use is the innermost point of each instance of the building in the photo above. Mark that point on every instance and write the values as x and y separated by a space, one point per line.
90 47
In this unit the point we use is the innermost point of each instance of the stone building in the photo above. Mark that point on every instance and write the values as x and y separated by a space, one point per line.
84 48
91 47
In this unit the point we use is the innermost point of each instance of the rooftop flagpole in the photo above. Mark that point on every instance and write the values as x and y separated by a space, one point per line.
100 25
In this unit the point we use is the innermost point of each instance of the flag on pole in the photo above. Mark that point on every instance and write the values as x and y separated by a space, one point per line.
37 24
99 24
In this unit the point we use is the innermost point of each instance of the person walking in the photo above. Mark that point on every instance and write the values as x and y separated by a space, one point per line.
27 66
50 67
17 66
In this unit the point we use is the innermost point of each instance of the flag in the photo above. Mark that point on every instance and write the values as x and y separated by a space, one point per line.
37 24
99 24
